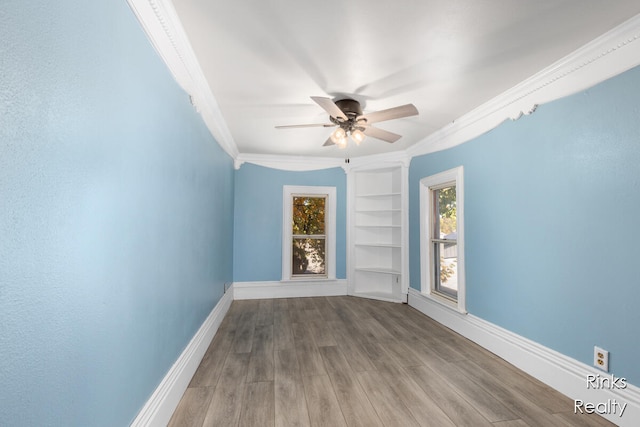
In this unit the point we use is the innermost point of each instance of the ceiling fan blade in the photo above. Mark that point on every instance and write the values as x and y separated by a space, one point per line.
329 106
328 142
391 113
325 125
381 134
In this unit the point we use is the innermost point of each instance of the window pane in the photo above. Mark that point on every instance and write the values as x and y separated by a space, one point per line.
308 256
308 215
446 219
446 268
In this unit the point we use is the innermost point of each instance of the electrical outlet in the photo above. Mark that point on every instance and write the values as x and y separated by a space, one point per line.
601 358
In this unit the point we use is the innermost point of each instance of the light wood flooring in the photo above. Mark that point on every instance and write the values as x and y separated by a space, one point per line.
346 361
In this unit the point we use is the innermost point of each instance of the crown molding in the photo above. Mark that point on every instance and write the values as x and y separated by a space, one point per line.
162 25
289 163
375 160
308 163
607 56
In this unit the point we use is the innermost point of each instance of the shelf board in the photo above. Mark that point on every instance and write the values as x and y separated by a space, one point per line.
378 245
383 296
378 195
378 270
377 210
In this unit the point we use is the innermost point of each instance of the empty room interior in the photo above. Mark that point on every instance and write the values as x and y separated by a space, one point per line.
337 213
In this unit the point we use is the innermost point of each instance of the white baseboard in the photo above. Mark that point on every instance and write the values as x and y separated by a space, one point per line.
164 400
560 372
293 289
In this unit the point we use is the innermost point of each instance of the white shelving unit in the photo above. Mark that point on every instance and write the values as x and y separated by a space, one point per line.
377 232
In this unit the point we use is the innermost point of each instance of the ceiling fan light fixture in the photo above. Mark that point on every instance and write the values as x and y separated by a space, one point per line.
348 116
358 136
338 136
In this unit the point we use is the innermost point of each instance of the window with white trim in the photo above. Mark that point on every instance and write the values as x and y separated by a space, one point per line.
442 238
308 242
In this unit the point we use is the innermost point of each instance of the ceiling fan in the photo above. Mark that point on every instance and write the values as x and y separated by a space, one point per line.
347 115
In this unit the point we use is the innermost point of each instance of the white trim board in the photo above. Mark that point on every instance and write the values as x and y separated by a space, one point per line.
166 397
308 163
330 208
289 163
160 22
289 289
560 372
607 56
427 185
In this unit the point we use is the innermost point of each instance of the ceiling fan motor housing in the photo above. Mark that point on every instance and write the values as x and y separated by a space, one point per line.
348 116
350 107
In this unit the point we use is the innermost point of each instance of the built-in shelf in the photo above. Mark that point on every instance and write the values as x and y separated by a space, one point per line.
378 245
377 226
378 195
378 270
377 211
383 296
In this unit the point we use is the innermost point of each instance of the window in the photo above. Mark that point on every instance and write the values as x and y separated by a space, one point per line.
308 250
442 238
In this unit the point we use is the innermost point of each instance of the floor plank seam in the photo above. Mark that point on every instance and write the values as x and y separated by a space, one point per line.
345 360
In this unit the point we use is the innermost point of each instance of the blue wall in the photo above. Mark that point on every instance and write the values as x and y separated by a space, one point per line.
116 215
257 252
552 208
117 218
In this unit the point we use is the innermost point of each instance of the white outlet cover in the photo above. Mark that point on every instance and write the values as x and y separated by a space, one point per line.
602 355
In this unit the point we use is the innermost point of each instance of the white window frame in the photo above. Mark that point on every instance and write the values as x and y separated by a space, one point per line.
288 192
427 185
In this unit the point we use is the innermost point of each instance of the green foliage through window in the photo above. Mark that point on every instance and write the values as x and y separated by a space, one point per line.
447 209
308 230
446 228
308 215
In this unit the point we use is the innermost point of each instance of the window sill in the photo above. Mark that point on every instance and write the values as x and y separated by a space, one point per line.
444 301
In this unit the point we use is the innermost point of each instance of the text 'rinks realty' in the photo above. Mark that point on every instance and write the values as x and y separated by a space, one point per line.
611 406
605 382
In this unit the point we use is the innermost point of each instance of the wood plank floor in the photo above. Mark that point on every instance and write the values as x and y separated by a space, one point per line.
346 361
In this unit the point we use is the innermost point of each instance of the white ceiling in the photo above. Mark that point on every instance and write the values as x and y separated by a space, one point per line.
264 59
